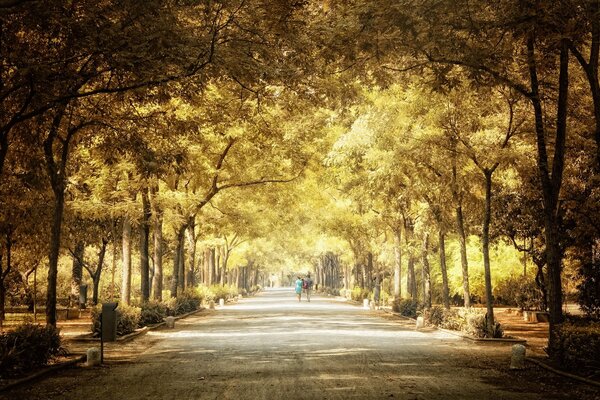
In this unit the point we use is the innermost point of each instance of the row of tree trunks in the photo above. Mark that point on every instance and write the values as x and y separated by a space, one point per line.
328 272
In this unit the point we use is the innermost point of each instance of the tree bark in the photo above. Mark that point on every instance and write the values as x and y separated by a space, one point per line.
191 250
551 181
444 269
486 252
144 246
77 272
397 263
460 227
126 262
426 276
157 281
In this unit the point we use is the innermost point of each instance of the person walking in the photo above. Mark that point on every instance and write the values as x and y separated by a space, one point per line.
299 285
307 286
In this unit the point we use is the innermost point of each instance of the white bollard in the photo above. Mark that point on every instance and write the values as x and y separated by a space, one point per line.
93 357
366 304
517 360
211 305
221 302
420 322
170 322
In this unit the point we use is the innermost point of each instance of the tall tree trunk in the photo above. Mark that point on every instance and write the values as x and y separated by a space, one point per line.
397 263
98 273
57 175
181 278
4 274
177 277
486 252
157 282
551 181
457 196
211 267
426 276
191 250
444 269
144 246
77 272
126 269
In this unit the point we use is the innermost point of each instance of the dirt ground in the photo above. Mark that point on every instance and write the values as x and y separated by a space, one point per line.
272 347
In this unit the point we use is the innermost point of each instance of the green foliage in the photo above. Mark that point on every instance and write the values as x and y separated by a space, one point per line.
407 307
226 292
588 295
518 291
477 326
577 342
153 312
188 301
359 294
470 321
28 346
128 319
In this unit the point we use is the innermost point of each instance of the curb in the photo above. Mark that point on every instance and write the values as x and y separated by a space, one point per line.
43 372
562 373
137 332
82 358
462 335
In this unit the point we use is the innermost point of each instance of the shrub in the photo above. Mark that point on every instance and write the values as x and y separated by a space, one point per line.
407 307
520 292
28 346
188 301
223 292
205 293
128 319
577 342
476 325
359 294
434 315
152 312
588 294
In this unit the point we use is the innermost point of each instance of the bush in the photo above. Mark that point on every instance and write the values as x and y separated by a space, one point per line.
188 301
434 316
28 346
407 307
223 292
153 312
128 319
577 343
477 325
588 291
520 292
359 294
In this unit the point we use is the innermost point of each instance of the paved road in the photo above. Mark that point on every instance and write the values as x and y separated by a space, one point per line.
272 347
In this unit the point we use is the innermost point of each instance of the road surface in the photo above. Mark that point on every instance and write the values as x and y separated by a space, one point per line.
272 347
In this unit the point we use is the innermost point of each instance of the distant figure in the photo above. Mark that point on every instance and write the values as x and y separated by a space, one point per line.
307 286
299 284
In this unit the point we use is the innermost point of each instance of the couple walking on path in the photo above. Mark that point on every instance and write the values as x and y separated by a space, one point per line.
304 285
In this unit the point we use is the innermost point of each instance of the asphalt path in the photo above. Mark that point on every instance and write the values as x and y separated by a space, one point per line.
273 347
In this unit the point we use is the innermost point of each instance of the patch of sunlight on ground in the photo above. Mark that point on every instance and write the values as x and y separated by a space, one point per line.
310 331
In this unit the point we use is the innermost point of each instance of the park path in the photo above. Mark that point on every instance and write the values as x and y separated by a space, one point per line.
272 347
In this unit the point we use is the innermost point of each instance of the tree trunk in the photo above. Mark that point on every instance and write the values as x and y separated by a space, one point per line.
77 272
397 263
96 276
486 252
426 276
157 282
126 271
551 181
211 267
144 246
444 269
191 250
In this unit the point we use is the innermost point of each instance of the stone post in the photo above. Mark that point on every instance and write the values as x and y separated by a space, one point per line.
517 360
93 357
170 322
